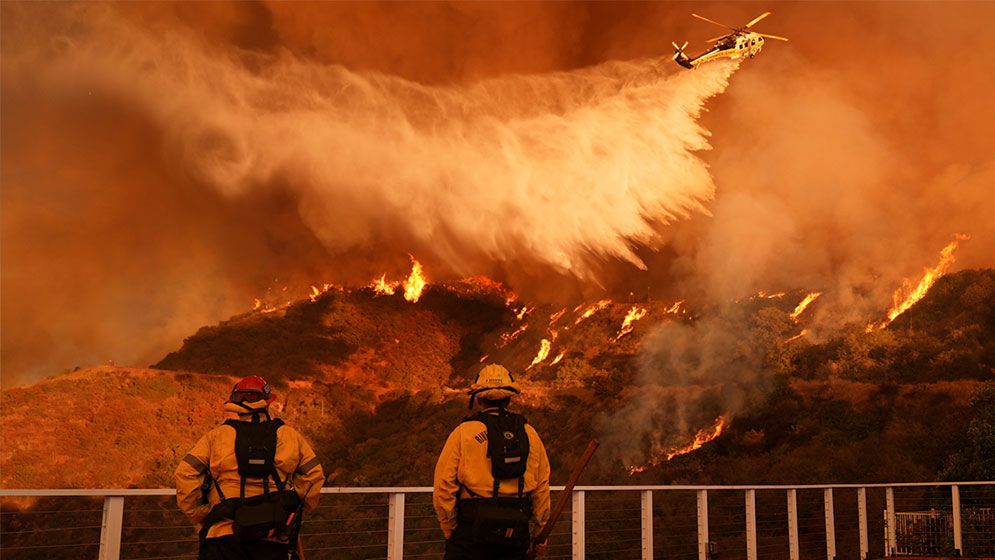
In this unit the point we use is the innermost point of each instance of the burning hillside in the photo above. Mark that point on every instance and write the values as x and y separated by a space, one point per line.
350 364
255 146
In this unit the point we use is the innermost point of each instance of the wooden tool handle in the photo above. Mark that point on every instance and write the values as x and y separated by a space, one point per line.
561 501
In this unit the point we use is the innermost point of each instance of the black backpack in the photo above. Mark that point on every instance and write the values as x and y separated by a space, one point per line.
265 515
503 521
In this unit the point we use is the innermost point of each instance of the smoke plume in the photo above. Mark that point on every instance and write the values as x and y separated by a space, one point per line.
561 170
164 164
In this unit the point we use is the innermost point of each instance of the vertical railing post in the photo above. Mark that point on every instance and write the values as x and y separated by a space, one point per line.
646 506
751 525
793 525
395 526
578 525
110 528
703 551
890 542
827 500
862 522
958 537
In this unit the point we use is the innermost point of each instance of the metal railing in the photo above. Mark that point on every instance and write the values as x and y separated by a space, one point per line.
617 522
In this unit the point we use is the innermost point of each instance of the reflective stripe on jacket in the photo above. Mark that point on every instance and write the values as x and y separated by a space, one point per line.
464 461
295 461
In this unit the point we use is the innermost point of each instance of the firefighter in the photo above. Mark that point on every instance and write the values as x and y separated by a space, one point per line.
492 478
246 482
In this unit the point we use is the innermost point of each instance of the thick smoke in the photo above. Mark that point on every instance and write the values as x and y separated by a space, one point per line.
560 171
690 374
163 164
835 172
557 169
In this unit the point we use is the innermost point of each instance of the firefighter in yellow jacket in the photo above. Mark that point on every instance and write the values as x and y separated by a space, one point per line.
246 482
492 478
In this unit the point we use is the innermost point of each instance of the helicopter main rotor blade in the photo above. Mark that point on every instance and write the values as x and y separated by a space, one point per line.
703 18
714 39
755 20
778 37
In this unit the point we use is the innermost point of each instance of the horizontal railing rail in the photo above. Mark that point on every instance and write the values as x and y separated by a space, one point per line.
614 522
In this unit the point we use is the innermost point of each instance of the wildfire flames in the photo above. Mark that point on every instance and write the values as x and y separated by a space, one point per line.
269 302
797 336
804 304
635 314
384 288
676 308
316 291
508 337
592 309
556 316
703 436
764 295
415 283
413 286
905 298
544 347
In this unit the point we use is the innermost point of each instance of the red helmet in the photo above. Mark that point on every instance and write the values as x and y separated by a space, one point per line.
251 389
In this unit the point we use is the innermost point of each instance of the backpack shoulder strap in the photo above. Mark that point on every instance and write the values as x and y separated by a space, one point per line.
235 424
520 423
280 484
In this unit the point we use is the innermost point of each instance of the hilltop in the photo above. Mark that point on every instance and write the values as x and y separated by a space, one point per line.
376 382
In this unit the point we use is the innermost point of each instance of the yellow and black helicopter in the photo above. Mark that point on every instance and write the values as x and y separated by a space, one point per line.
738 44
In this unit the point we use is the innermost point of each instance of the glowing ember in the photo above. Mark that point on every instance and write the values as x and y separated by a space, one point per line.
804 304
544 348
508 337
556 316
415 283
703 436
257 305
634 314
676 308
765 295
557 359
904 298
525 310
592 309
382 287
797 336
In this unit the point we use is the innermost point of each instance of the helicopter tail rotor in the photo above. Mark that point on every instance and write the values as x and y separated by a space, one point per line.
679 50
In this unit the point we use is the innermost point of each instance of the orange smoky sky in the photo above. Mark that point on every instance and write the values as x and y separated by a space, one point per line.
164 164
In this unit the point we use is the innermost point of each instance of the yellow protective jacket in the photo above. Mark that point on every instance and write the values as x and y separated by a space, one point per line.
464 461
295 462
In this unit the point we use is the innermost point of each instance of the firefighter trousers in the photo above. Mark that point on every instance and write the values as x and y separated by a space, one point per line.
229 548
460 546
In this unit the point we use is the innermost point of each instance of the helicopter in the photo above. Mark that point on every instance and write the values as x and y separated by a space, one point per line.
738 44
